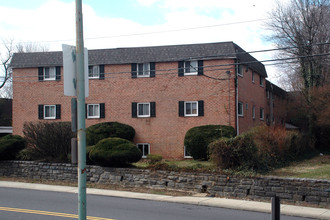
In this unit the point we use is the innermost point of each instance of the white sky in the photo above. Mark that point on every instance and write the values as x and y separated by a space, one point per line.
123 23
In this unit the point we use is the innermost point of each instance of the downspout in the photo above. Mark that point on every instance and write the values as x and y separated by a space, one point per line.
236 97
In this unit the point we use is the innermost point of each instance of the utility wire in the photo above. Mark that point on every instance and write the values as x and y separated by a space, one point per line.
154 32
175 70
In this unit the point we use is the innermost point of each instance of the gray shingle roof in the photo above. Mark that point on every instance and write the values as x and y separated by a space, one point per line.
144 54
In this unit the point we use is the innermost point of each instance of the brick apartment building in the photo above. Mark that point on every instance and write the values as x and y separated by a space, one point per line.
160 91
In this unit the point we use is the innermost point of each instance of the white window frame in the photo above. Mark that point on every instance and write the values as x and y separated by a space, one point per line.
262 114
145 69
138 110
93 116
240 105
253 112
191 103
95 72
186 153
52 116
191 67
261 81
51 69
240 70
144 154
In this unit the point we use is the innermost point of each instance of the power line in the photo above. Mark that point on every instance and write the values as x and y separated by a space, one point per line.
152 32
206 68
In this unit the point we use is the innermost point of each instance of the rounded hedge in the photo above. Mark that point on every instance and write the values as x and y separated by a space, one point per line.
198 138
114 152
10 145
97 132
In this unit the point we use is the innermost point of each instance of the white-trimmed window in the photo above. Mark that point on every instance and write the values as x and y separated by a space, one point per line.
49 111
240 110
93 111
191 108
186 153
49 73
262 114
144 148
143 70
240 70
94 72
190 67
253 112
261 81
143 109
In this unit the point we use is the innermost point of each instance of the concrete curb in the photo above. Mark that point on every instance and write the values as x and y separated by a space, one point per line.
299 211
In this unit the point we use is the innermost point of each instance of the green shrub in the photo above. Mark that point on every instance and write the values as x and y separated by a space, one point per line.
154 158
115 152
97 132
48 141
198 138
10 145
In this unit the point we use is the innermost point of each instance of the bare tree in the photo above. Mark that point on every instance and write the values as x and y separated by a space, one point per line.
7 52
302 28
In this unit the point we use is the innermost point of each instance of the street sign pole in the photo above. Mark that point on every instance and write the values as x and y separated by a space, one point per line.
81 128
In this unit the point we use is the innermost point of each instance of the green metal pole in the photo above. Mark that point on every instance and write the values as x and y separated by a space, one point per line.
81 128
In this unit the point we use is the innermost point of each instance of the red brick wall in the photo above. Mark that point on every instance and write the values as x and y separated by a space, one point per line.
118 90
253 94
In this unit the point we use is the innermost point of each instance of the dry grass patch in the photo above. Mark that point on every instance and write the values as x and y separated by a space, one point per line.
315 168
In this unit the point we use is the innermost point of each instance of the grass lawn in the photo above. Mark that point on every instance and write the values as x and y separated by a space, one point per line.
315 168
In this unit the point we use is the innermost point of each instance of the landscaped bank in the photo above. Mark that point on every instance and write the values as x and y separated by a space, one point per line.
295 190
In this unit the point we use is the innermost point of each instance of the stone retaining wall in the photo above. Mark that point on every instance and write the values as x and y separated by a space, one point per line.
262 188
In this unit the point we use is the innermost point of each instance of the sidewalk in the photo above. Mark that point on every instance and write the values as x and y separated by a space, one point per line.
300 211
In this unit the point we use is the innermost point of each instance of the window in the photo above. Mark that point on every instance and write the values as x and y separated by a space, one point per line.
240 70
267 94
190 67
93 72
240 109
143 70
261 81
253 112
49 73
143 109
186 153
144 148
262 114
49 111
193 67
253 76
95 110
191 108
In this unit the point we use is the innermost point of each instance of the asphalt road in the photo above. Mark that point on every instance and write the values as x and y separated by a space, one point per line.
36 205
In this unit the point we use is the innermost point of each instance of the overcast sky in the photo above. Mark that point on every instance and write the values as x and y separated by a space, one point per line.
132 23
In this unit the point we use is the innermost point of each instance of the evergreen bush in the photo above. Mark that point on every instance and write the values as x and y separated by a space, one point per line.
198 138
10 145
115 152
97 132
